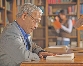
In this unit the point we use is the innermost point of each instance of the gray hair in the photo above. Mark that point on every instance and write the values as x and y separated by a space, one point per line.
28 8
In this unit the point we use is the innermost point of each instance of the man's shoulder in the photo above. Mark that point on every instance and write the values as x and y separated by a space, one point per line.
11 28
12 25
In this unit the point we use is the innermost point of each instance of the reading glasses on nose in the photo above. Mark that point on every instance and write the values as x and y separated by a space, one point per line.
36 20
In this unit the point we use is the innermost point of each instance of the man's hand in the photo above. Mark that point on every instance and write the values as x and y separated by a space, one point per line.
44 54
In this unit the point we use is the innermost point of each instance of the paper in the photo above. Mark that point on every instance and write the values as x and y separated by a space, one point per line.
55 47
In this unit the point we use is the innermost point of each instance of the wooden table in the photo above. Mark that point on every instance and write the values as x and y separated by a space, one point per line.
78 61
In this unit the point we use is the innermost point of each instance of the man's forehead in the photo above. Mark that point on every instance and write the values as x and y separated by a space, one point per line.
36 13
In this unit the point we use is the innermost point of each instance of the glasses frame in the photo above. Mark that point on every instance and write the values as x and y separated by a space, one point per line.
36 20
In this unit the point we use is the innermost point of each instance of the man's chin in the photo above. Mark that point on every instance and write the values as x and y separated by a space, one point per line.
31 31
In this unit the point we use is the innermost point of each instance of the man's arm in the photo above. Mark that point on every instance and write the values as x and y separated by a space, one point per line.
15 47
35 48
41 52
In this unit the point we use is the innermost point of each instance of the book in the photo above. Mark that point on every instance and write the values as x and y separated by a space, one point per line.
73 21
52 43
79 23
57 49
69 56
57 24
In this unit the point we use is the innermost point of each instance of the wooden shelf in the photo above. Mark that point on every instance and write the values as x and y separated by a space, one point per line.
10 1
66 3
73 37
4 13
68 37
44 30
81 3
2 8
43 14
1 23
81 14
8 11
38 38
41 27
67 15
52 37
41 5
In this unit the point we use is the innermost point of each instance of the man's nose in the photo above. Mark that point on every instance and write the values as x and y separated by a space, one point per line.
36 25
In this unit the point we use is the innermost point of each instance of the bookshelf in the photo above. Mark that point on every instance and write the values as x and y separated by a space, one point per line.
45 33
72 8
2 15
6 13
39 38
80 11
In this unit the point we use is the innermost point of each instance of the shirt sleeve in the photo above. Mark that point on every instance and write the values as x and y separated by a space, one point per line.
69 28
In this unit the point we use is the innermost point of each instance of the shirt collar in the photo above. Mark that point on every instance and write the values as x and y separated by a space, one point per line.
24 33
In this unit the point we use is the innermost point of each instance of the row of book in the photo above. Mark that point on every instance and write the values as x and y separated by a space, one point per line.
72 43
53 33
8 5
28 1
1 3
1 28
59 1
41 2
0 18
73 18
81 34
81 9
54 42
81 1
81 43
19 2
69 10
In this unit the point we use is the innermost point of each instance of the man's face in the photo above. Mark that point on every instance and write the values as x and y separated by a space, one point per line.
31 22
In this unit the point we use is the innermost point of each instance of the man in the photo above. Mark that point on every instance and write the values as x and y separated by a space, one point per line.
15 44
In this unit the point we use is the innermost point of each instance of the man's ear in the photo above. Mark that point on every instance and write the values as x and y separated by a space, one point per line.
23 16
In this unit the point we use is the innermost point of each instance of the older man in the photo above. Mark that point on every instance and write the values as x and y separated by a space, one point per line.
15 43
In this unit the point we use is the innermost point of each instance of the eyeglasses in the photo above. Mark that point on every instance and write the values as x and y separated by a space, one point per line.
36 20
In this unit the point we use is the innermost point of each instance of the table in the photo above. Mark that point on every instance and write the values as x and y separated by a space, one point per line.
77 61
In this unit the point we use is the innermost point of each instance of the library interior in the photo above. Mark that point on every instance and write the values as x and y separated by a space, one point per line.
60 30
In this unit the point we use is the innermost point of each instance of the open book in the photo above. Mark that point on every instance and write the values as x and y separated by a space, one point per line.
69 56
